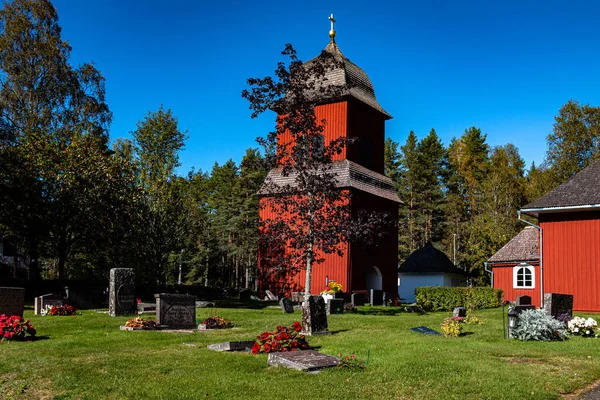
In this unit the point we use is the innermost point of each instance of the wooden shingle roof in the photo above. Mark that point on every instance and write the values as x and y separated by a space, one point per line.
523 247
348 175
581 190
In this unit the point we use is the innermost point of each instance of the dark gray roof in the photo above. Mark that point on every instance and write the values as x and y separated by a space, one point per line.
582 189
523 247
348 175
353 77
428 259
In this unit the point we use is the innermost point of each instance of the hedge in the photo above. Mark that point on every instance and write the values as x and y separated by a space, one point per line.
445 298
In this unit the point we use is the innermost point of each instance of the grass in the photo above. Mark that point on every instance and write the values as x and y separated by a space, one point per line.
88 357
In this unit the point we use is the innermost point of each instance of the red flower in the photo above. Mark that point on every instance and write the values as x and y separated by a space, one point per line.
267 347
297 326
276 345
256 348
264 336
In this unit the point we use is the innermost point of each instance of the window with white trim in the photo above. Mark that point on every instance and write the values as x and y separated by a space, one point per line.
523 277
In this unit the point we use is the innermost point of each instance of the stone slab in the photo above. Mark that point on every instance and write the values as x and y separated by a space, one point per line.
50 299
335 306
556 304
121 297
524 300
177 311
304 360
270 295
12 301
425 331
314 316
287 306
244 345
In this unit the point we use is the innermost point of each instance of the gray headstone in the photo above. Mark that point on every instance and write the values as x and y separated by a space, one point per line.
524 300
459 312
556 304
335 306
297 297
287 306
270 295
245 345
177 311
425 331
314 316
12 301
304 360
204 304
376 297
45 300
357 299
121 298
146 308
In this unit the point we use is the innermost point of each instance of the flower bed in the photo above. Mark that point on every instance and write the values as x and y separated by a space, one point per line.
139 323
452 326
15 328
583 327
215 322
61 310
282 339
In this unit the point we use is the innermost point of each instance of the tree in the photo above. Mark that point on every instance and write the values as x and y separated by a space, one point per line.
53 135
407 192
575 140
313 215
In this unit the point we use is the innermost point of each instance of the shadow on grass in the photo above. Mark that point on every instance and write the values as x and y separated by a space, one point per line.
38 338
339 331
386 311
250 304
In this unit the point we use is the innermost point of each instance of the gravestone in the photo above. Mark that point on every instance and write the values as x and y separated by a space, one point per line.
270 295
297 297
425 331
45 300
177 311
524 300
245 345
146 308
245 295
390 298
335 306
314 317
556 304
357 299
121 300
204 304
459 312
287 306
376 297
304 360
12 301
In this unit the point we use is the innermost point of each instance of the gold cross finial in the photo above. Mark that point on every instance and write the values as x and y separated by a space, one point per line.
332 31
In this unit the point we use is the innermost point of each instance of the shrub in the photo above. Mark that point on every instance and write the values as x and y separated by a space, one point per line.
537 325
15 328
452 326
282 339
583 327
445 298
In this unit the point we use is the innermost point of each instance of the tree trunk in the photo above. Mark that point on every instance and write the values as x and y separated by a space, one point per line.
309 260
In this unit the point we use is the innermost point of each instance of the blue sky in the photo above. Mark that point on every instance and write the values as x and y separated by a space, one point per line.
505 67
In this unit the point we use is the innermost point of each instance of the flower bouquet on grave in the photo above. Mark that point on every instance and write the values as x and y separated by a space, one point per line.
215 322
283 339
583 327
141 324
15 328
60 310
332 288
452 326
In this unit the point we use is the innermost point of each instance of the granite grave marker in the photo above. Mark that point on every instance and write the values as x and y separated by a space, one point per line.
12 301
177 311
459 312
556 304
45 300
376 297
304 360
121 300
314 316
335 306
357 299
287 306
245 345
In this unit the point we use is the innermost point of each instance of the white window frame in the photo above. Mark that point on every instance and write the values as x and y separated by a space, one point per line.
528 268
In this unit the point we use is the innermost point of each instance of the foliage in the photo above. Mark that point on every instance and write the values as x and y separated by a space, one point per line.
65 309
141 323
537 325
15 328
333 287
283 339
217 322
472 320
445 298
583 327
452 326
350 363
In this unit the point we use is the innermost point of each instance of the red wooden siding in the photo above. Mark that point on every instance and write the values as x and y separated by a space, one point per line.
572 257
503 279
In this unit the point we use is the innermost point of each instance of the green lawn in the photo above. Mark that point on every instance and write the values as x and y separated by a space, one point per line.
88 357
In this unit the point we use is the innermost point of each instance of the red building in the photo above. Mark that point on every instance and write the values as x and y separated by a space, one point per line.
567 259
359 170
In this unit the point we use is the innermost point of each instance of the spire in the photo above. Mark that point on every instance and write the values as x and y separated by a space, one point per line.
332 31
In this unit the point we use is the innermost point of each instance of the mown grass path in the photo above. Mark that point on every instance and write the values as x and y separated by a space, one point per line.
88 357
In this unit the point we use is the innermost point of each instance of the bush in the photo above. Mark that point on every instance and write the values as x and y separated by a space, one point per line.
583 327
15 328
282 339
537 325
445 298
452 326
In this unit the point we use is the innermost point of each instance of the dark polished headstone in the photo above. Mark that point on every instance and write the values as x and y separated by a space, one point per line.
335 306
12 301
376 297
305 360
524 300
357 299
177 311
314 316
245 345
556 304
459 312
121 300
45 300
425 331
245 294
287 306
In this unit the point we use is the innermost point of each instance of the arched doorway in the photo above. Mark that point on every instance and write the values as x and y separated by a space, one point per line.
373 278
